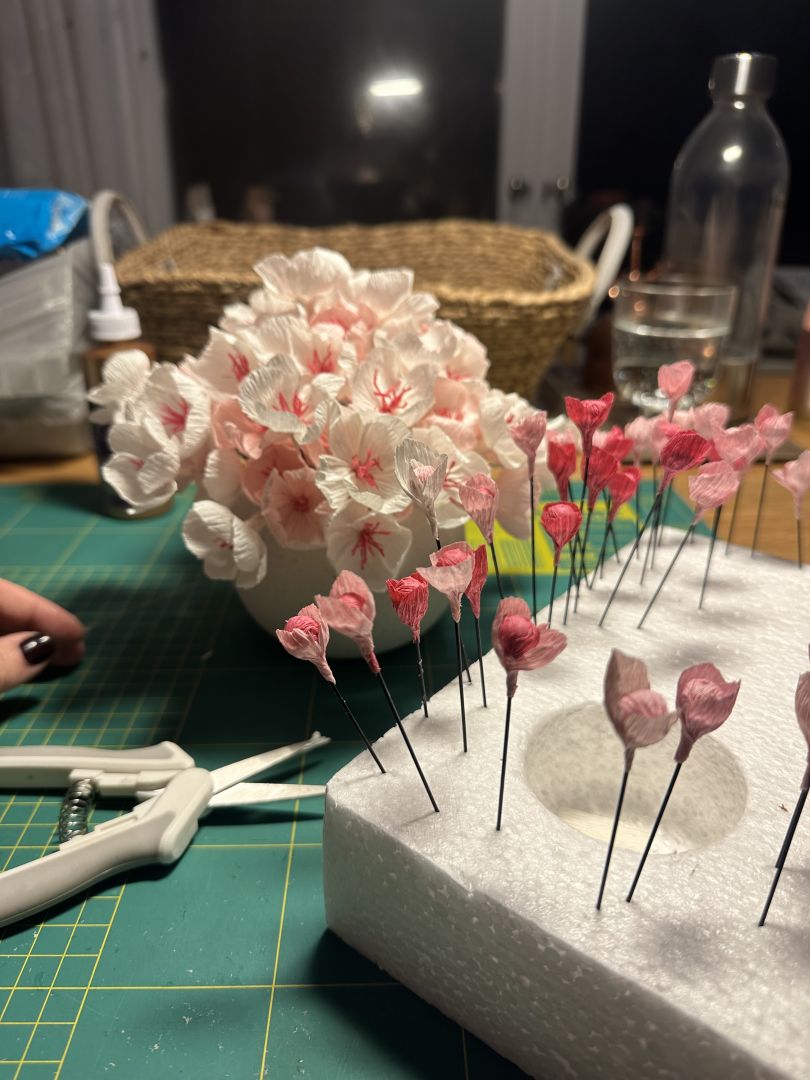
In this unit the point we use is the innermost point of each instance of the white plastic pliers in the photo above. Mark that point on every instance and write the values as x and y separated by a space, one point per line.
172 793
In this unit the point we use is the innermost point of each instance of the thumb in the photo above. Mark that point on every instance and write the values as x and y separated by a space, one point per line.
22 656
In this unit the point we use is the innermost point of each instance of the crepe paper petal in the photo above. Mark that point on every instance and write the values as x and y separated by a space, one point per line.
675 380
622 485
623 675
349 609
639 432
588 415
278 457
292 507
704 701
710 417
372 545
601 467
451 580
615 442
739 446
421 473
561 458
528 431
231 429
774 428
305 636
712 486
230 549
519 644
562 521
479 496
661 431
643 718
477 580
410 597
795 476
683 451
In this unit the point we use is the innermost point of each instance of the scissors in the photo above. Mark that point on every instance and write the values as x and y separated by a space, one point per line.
172 795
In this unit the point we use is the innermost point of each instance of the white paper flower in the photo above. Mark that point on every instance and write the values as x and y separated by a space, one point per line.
304 276
230 549
175 409
495 407
360 463
456 412
277 397
421 472
222 366
141 470
372 545
123 378
293 508
461 356
323 357
222 476
383 384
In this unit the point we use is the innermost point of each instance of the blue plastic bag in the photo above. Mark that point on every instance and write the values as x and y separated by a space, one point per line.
36 222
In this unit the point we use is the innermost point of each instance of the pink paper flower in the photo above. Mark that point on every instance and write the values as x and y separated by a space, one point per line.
601 466
305 636
519 644
622 487
410 596
349 609
639 715
675 380
683 451
562 521
293 508
588 415
528 430
614 442
738 446
561 458
710 416
773 427
795 476
230 428
449 576
704 700
479 497
712 486
278 457
478 579
639 431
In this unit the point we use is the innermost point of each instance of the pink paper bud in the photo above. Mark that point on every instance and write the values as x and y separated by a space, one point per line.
449 577
601 466
615 442
639 431
738 446
478 579
704 701
622 487
349 609
661 432
675 380
712 486
562 521
527 432
795 476
519 644
773 427
683 451
639 715
305 636
588 415
710 416
410 597
561 458
479 497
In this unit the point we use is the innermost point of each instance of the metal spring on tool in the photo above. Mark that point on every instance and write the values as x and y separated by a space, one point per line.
79 800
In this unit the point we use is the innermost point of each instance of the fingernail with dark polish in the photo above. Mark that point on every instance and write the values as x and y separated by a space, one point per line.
38 649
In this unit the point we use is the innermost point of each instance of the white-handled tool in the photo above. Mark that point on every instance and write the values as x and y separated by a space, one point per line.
174 795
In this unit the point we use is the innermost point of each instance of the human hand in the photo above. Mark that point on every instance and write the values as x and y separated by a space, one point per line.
34 632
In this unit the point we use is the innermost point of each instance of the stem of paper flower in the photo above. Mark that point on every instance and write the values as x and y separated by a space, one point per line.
534 560
503 761
667 572
420 667
495 565
799 541
466 662
760 504
654 538
359 730
583 571
480 661
553 589
613 541
664 512
650 542
654 830
613 831
461 689
712 542
404 734
629 558
638 507
791 829
572 557
734 515
600 558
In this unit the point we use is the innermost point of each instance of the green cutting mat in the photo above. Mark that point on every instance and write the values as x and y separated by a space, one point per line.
219 966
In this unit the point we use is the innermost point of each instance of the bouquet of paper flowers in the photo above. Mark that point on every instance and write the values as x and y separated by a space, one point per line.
289 420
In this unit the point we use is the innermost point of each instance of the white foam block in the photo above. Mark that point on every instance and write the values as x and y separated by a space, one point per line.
499 930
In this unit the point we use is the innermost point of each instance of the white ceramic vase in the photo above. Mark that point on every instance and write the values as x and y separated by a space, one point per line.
294 577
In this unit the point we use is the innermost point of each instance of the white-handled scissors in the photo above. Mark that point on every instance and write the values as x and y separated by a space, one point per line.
173 794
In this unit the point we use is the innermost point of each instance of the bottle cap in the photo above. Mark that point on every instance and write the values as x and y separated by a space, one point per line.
112 321
743 74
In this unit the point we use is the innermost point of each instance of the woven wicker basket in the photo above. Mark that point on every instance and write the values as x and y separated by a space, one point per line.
520 291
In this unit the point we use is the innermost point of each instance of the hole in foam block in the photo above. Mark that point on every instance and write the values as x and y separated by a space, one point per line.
574 763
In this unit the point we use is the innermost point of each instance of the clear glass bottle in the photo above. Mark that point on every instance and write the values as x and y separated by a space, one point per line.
726 201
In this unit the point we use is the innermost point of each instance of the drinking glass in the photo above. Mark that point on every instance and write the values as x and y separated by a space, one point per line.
661 322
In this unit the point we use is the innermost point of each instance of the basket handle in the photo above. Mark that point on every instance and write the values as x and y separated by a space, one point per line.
615 227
